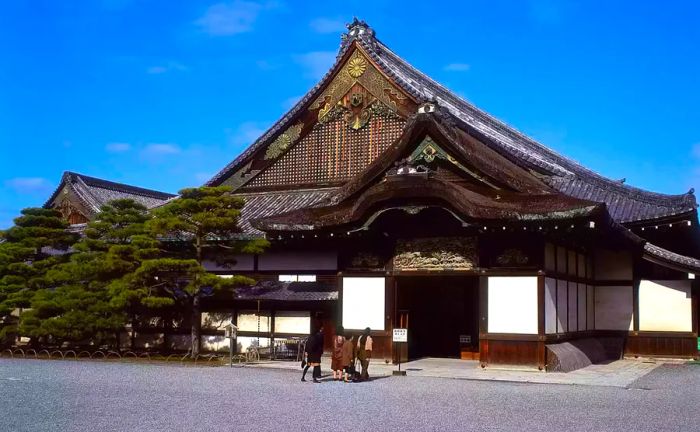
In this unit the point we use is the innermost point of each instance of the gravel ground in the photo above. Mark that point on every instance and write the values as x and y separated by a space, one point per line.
93 396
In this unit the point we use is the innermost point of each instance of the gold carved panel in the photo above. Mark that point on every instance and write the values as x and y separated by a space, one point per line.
357 70
436 253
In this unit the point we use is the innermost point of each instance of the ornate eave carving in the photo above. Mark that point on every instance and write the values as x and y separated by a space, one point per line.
283 141
357 70
436 253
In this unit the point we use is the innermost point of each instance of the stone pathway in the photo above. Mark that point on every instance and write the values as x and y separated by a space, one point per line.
620 373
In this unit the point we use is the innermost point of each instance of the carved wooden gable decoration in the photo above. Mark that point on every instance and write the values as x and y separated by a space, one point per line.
430 154
353 120
436 253
70 207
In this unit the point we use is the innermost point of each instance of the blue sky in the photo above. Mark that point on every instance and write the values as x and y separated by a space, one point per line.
162 94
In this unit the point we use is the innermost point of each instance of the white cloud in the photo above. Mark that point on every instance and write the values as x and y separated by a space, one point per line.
118 147
457 67
327 25
246 133
169 66
316 63
225 19
156 151
29 185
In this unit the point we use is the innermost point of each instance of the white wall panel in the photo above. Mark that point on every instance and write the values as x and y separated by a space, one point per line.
613 308
512 304
363 303
581 307
665 306
251 321
590 307
550 305
562 314
573 307
298 322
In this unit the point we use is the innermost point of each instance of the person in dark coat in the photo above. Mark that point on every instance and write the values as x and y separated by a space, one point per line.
364 353
314 351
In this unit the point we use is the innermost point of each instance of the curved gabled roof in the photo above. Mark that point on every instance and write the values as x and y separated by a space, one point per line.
95 192
625 203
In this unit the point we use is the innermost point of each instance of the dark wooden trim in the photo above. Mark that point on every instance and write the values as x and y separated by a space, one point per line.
658 344
635 305
662 334
614 282
339 310
483 319
694 289
510 337
483 304
510 352
541 352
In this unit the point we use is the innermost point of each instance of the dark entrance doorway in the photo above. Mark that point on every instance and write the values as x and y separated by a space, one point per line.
442 314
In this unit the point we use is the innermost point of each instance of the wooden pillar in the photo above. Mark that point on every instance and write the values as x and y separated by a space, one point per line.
694 304
635 295
541 350
483 320
339 310
390 296
272 331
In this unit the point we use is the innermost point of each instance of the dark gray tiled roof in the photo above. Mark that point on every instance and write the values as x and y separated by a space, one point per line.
665 256
625 203
288 291
263 204
95 192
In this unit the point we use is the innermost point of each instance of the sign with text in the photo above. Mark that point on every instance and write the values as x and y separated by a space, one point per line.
400 335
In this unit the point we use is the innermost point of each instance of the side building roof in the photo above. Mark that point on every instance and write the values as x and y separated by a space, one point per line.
93 192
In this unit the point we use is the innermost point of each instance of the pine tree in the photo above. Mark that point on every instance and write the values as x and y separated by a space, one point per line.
87 302
37 242
201 224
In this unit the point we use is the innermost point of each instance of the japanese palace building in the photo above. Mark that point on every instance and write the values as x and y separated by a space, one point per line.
391 202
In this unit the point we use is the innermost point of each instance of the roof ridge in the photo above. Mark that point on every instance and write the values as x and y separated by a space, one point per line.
90 181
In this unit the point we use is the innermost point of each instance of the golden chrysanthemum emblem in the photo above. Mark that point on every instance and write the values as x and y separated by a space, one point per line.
357 66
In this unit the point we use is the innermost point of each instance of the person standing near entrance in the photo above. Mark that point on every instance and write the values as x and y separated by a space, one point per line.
364 353
349 358
314 351
337 356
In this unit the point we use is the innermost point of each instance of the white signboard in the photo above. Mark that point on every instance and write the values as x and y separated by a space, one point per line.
400 335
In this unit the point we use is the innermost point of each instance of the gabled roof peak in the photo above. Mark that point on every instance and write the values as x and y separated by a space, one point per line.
357 29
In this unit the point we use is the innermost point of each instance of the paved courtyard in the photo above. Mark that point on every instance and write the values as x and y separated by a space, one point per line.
619 373
111 396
